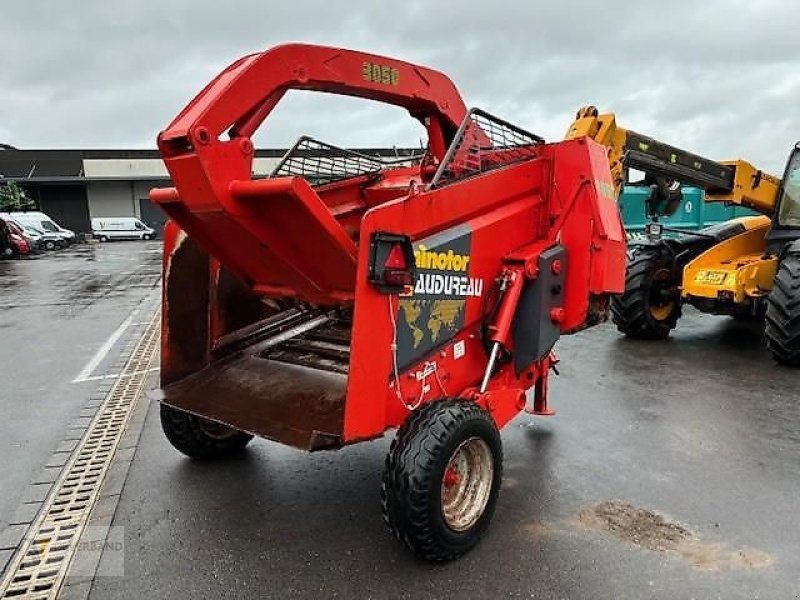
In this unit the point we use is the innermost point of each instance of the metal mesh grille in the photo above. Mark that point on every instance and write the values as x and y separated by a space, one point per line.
40 565
320 163
484 142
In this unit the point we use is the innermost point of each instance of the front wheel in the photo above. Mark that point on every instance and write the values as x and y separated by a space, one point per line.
200 438
783 313
442 478
650 306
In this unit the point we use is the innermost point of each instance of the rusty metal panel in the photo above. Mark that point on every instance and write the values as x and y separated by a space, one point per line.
295 405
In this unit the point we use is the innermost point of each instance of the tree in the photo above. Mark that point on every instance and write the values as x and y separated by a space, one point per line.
13 198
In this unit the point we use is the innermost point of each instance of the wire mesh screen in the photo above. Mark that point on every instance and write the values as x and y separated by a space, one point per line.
320 163
484 142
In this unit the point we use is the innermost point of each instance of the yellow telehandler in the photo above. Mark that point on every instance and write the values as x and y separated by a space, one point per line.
747 267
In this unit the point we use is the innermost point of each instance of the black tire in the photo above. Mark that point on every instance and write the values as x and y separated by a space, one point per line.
414 480
651 305
199 438
49 245
102 238
783 313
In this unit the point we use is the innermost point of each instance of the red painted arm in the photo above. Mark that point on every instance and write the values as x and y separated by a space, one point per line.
244 94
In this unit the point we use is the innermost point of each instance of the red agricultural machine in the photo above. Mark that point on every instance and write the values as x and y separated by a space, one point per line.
344 295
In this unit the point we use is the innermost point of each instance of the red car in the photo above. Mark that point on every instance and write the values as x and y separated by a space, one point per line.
6 247
19 244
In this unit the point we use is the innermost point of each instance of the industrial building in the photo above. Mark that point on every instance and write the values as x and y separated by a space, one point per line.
72 186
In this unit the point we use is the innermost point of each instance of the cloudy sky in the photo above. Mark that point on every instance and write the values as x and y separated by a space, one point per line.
719 77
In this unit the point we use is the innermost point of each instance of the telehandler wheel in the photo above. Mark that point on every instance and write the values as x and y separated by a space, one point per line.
442 478
201 438
650 306
783 313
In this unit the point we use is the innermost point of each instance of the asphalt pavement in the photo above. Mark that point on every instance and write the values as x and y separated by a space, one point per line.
58 313
671 470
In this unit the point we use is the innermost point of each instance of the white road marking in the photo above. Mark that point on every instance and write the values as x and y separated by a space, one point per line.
103 350
54 542
115 375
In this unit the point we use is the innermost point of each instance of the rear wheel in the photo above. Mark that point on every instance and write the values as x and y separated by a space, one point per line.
200 438
783 313
442 479
49 245
102 238
650 306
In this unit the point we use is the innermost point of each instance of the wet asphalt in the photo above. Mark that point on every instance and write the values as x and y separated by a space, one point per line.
56 311
703 429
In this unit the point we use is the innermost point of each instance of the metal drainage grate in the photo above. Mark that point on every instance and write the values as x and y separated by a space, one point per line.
38 569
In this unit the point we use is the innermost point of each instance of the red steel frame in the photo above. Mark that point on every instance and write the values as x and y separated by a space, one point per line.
282 238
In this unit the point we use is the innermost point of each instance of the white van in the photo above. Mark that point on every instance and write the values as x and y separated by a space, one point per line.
40 220
121 228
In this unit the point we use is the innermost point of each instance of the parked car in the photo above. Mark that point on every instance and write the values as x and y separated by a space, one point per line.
46 240
37 239
6 248
121 228
19 244
41 221
31 239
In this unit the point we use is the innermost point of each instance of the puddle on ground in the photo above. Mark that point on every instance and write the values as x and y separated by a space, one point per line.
509 482
652 531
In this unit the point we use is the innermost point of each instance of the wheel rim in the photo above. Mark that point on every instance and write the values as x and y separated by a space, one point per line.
662 295
467 484
214 430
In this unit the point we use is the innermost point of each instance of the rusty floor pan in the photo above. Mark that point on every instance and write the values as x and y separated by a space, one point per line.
295 405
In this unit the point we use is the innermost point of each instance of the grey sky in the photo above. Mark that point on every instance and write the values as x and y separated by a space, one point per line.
719 77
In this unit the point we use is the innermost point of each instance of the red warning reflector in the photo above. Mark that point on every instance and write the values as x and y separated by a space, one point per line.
391 265
396 259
